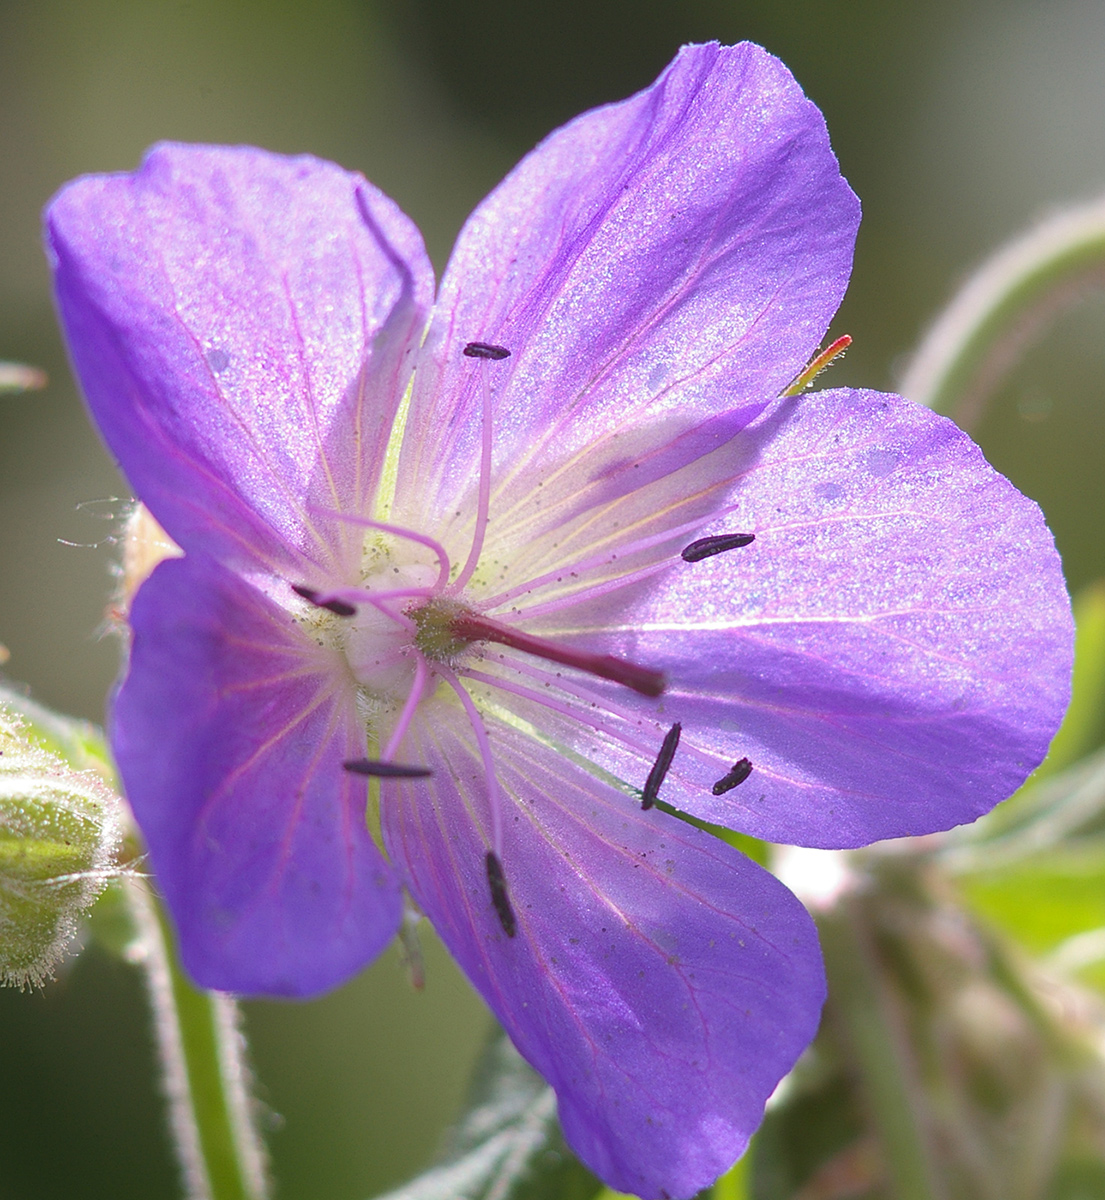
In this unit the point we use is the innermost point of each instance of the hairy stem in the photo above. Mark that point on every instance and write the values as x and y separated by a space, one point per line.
204 1075
984 330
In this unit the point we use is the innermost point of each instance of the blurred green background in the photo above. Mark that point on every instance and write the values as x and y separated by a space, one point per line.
956 122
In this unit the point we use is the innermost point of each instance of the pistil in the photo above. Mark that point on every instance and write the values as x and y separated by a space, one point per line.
471 627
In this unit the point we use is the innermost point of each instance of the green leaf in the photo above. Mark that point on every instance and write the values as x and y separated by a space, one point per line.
1082 726
507 1145
1052 904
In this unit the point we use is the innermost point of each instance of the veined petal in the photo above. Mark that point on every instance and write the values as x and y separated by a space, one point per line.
659 980
243 325
230 730
582 541
659 270
893 652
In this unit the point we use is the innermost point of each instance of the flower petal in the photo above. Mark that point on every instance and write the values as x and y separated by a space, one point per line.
658 979
243 326
659 270
893 652
230 730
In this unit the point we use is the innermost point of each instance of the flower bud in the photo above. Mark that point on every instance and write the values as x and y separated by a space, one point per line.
59 837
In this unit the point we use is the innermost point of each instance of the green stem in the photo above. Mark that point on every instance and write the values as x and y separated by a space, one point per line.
204 1075
982 332
871 1024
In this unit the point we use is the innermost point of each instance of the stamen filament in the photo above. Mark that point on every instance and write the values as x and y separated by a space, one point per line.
478 728
444 566
421 674
591 591
623 727
483 503
474 628
378 601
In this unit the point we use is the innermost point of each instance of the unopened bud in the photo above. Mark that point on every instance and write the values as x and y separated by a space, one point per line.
59 839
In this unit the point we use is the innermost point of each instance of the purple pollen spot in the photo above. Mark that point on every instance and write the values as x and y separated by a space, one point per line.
660 767
384 770
485 350
496 881
740 772
340 608
708 546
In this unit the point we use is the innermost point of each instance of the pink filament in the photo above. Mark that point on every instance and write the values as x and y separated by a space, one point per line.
414 696
484 501
494 801
398 531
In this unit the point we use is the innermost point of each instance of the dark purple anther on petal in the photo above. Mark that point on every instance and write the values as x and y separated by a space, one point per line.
496 881
485 350
661 765
340 608
384 770
718 544
740 772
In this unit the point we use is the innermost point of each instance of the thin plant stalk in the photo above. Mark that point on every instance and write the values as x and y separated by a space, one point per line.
204 1075
1002 308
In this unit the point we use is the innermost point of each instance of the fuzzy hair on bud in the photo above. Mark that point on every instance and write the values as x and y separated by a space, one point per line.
59 840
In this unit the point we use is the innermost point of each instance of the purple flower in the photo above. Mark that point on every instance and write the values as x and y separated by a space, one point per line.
485 552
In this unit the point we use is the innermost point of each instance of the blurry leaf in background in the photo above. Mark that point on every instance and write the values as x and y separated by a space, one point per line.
1084 724
507 1144
59 836
1001 1065
559 59
1046 900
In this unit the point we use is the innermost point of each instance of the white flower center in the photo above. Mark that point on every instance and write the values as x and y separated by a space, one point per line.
379 641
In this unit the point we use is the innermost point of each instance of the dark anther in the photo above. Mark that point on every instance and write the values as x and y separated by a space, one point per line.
740 772
496 881
708 546
661 765
384 770
340 608
485 350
